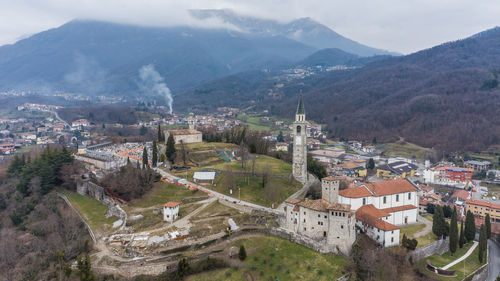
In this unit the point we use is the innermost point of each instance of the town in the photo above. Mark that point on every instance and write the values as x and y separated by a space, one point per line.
225 176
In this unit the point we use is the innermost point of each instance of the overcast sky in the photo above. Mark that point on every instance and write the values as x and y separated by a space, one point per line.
397 25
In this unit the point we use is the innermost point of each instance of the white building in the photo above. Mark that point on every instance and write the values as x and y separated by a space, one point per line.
171 211
382 207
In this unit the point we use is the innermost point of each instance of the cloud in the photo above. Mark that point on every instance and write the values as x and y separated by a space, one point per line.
395 25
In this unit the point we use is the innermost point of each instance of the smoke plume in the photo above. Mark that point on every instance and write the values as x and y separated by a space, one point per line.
153 83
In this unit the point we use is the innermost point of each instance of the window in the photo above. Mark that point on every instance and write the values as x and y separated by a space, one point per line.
409 195
342 226
385 199
364 201
304 220
319 216
298 129
305 229
392 239
397 197
343 214
325 217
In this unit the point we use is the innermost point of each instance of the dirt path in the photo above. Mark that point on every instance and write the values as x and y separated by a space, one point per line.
424 231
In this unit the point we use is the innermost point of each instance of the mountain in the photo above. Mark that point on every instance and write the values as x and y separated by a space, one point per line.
446 97
304 30
98 57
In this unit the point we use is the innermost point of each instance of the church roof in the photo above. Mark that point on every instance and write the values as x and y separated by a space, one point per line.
300 107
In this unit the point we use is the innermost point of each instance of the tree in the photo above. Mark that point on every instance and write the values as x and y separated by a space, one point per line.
315 168
487 223
160 134
84 267
371 164
145 158
470 227
453 232
482 243
182 268
447 211
170 150
438 223
374 140
183 153
410 244
430 208
461 240
143 130
154 157
280 137
242 254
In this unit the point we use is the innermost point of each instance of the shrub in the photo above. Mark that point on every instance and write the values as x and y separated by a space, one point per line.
242 255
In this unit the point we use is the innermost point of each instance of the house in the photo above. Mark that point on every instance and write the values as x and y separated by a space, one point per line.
398 169
352 169
368 148
171 211
281 146
480 208
184 136
204 177
422 205
326 155
460 196
393 203
313 144
79 124
448 175
477 166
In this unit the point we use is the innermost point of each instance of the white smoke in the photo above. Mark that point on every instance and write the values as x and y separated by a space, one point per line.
152 82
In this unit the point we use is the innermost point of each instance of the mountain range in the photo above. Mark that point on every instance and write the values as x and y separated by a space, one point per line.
446 97
95 58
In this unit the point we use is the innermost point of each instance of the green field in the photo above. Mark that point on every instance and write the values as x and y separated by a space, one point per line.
91 210
471 263
251 189
262 162
407 150
412 229
162 193
273 258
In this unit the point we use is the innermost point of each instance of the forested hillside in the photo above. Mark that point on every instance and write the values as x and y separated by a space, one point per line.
44 235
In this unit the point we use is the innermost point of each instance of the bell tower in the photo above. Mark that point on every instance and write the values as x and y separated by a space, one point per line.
300 144
191 121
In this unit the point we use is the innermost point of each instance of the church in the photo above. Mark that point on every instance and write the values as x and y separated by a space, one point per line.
330 223
186 135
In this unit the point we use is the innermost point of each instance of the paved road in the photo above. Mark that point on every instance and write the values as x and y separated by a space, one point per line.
494 265
471 249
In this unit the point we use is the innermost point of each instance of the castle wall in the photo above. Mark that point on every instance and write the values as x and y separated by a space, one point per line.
192 138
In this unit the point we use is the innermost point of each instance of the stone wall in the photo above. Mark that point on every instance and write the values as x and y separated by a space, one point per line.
437 248
481 274
88 188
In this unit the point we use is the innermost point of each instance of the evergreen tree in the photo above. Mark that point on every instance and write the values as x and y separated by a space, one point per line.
144 158
280 137
482 243
487 223
470 227
453 232
154 157
461 240
371 164
182 268
374 140
438 222
143 130
170 150
84 267
160 134
242 254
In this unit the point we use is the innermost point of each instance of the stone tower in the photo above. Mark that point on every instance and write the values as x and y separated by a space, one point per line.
191 121
300 144
330 189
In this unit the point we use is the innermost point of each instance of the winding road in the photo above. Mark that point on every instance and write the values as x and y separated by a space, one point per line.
494 265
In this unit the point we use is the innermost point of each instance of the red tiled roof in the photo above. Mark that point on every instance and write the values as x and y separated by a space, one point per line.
426 188
391 187
171 204
355 192
483 203
370 215
461 194
399 209
423 202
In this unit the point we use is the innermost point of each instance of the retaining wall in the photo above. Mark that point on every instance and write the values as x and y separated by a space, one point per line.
436 248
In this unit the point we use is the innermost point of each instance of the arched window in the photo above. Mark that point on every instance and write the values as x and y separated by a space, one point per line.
298 129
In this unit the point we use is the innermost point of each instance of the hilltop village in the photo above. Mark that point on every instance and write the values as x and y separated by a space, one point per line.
155 190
